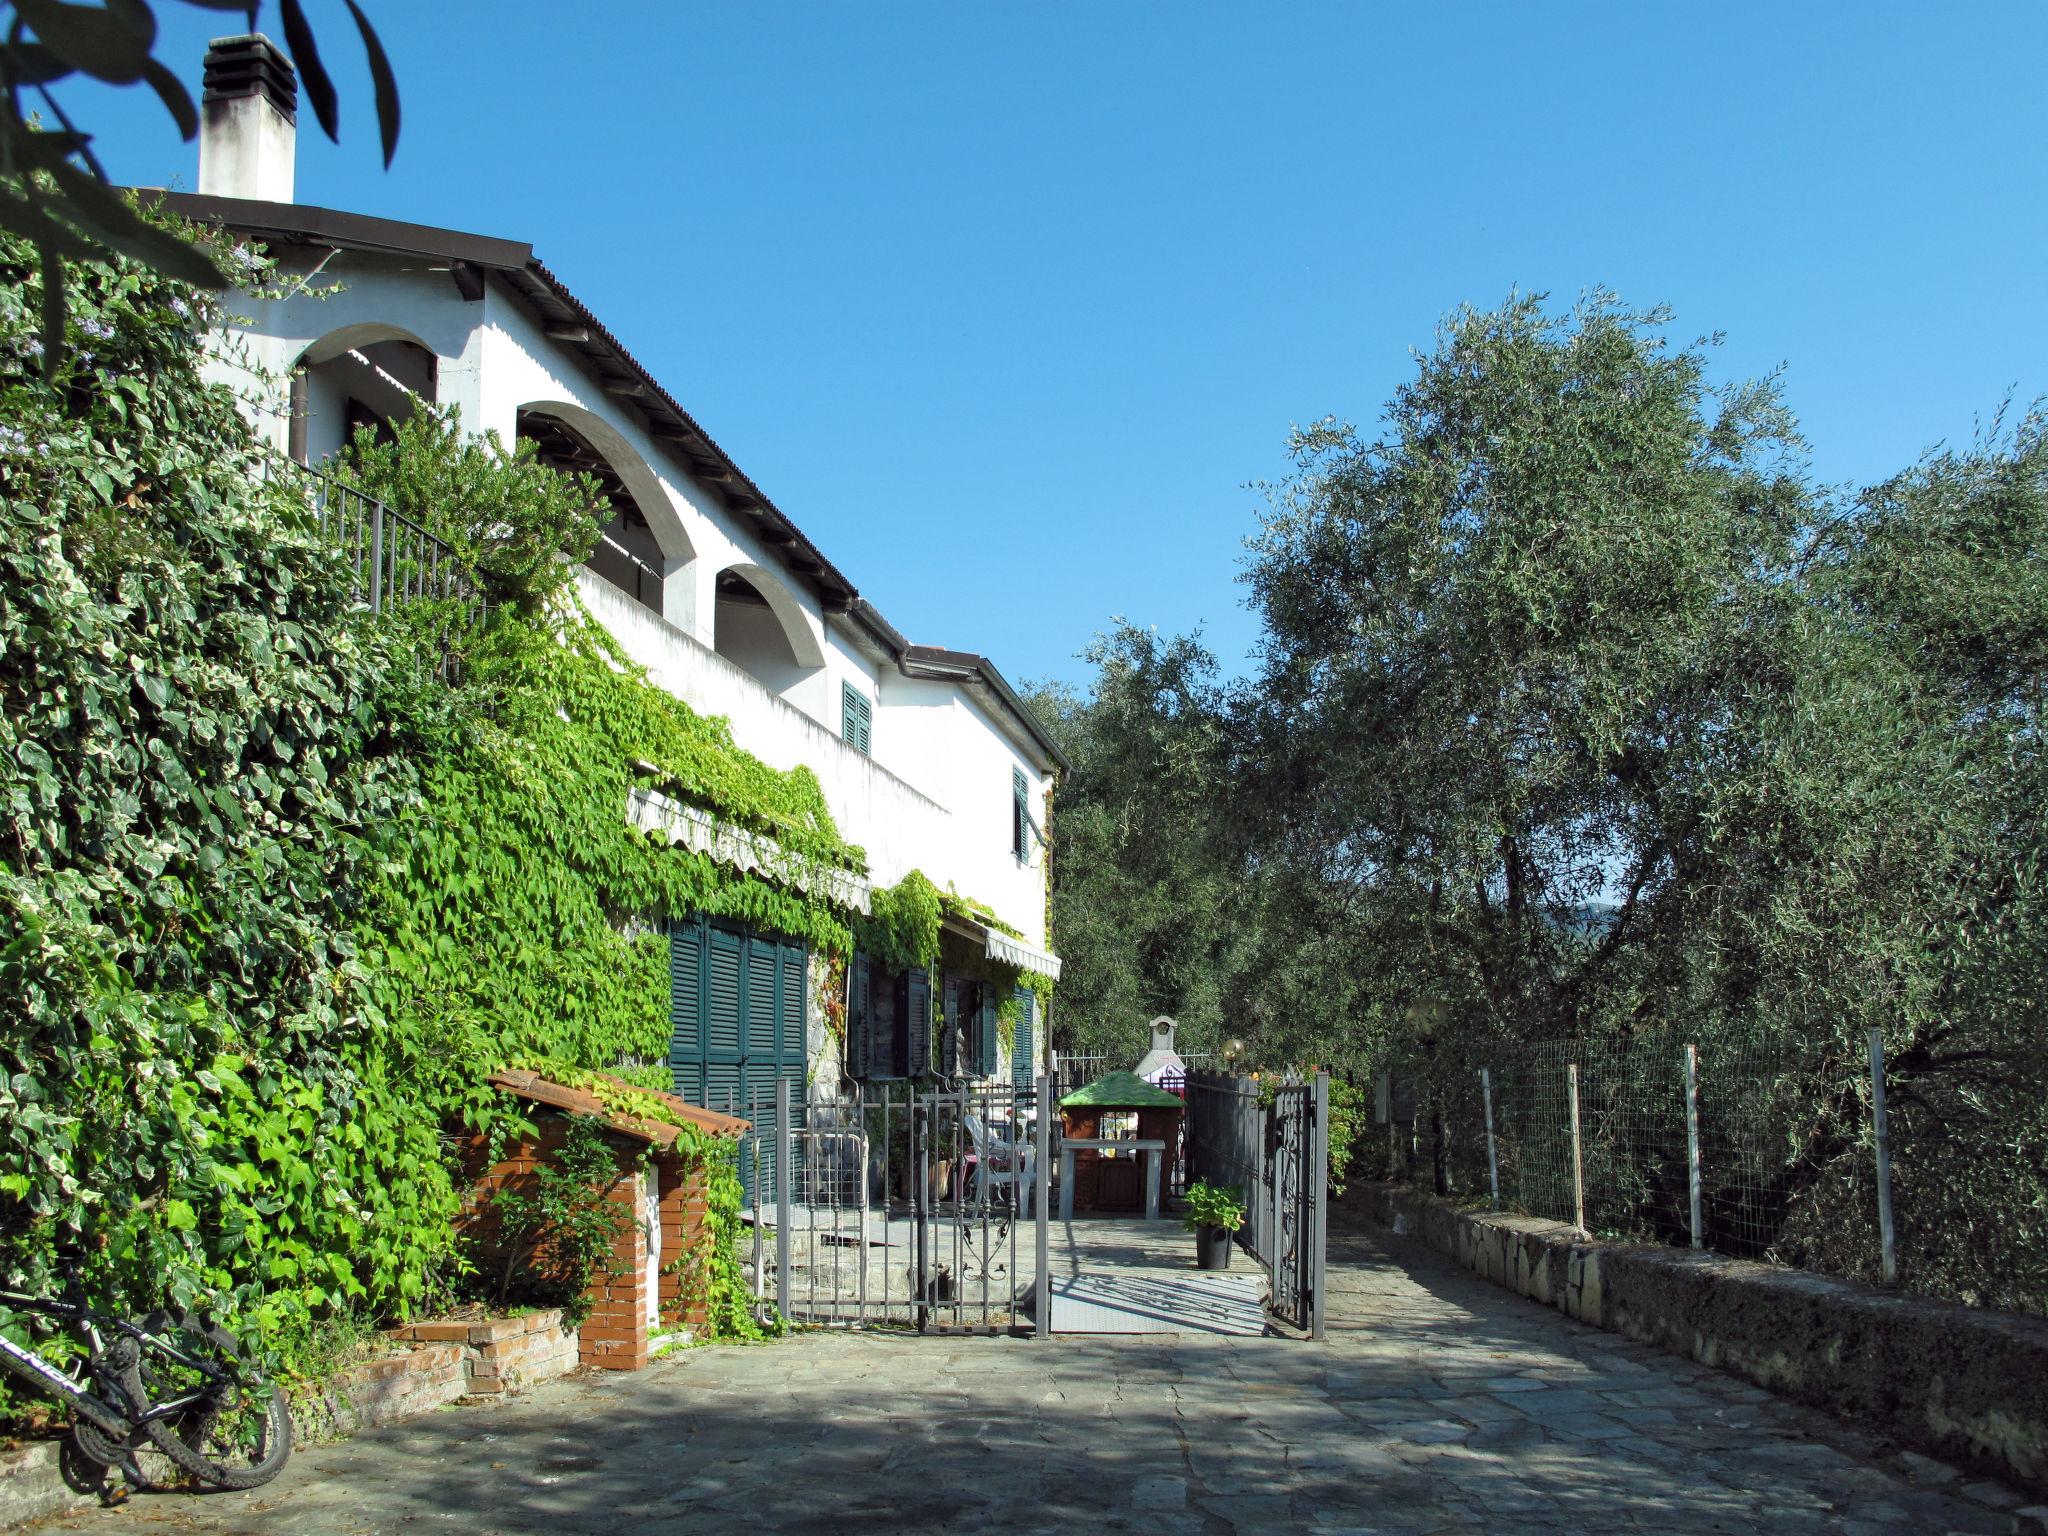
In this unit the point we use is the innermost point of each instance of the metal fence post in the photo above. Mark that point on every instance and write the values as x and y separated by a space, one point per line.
920 1139
1492 1157
1042 1195
1692 1137
1884 1159
1269 1142
376 557
1578 1153
785 1145
1319 1193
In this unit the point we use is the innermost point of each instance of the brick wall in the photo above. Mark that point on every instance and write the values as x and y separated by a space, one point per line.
383 1391
685 1241
504 1354
615 1333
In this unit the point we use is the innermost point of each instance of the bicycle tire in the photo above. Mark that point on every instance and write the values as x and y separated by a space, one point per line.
196 1441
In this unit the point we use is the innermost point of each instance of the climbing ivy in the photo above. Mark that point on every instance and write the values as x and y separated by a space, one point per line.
901 929
901 932
197 790
277 896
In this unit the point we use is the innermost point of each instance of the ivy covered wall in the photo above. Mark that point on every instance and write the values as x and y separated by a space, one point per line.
277 894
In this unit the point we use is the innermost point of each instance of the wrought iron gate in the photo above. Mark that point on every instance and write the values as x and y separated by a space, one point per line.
1298 1127
893 1204
1271 1142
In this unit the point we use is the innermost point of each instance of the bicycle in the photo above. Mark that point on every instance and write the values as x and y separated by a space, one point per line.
171 1383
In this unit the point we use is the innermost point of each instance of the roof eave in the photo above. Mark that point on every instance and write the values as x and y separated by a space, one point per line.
576 328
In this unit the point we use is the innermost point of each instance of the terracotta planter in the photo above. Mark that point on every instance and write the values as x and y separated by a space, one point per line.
1212 1247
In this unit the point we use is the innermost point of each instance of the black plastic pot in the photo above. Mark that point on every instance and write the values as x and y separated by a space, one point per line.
1212 1247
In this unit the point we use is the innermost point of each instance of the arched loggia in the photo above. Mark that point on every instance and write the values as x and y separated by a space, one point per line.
365 375
760 626
644 541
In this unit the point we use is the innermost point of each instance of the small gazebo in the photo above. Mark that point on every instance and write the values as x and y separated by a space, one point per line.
1107 1178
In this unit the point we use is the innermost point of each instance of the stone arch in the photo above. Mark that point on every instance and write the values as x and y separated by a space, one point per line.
800 639
645 549
638 476
369 373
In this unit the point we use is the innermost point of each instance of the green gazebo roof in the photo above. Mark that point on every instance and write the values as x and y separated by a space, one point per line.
1121 1090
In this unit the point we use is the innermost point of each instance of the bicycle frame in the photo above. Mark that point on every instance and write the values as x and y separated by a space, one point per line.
27 1363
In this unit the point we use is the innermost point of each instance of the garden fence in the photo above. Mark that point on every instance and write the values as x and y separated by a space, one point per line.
1866 1166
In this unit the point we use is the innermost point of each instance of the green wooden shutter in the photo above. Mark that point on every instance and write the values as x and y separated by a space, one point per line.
949 1026
988 1046
885 1024
856 717
686 1007
764 1045
860 1044
1020 815
725 1044
792 1052
917 1023
1023 1049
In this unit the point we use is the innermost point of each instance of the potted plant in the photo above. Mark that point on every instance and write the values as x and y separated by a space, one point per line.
1214 1213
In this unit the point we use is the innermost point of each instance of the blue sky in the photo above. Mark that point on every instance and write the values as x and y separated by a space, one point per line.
1007 305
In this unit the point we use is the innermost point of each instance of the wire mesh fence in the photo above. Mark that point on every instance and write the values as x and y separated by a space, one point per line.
1760 1147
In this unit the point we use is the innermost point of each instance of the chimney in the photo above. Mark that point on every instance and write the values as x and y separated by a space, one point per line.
248 132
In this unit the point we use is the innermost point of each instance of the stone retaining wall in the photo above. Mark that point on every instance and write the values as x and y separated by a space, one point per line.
1968 1384
33 1486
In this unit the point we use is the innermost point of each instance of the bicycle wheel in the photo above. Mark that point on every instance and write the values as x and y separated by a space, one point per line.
238 1433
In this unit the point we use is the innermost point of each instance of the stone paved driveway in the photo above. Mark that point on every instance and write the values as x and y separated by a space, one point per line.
1438 1404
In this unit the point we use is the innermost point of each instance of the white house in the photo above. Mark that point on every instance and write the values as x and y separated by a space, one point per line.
927 757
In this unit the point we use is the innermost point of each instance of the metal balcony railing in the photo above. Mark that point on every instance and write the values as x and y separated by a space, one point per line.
394 558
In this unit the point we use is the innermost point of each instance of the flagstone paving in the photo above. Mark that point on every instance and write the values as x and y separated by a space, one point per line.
1438 1404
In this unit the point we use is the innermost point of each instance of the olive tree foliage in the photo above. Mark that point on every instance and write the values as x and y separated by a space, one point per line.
1883 832
1501 640
1583 713
1148 910
53 190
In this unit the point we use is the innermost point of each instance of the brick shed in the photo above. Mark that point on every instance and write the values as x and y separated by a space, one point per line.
665 1204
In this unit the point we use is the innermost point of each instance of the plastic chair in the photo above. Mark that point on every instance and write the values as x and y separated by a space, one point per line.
999 1161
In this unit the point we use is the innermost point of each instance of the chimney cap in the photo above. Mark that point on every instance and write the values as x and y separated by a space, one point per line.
252 65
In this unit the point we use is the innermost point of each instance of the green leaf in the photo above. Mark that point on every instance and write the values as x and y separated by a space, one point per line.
103 214
312 73
177 100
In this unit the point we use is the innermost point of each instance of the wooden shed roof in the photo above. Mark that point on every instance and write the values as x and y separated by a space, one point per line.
536 1089
1121 1090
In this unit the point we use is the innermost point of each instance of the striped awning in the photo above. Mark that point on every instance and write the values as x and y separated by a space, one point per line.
691 827
1000 946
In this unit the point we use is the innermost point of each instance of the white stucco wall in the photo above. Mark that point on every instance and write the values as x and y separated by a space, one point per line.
936 737
936 793
902 825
